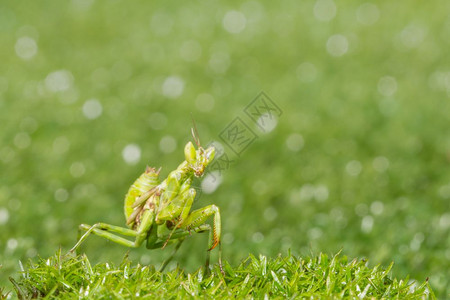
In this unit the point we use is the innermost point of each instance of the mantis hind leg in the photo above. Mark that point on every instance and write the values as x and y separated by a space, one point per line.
179 236
166 262
107 231
110 232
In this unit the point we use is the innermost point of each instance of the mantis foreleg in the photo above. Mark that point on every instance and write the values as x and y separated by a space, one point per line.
199 217
177 210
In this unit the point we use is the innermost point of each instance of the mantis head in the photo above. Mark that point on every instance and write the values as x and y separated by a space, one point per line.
198 159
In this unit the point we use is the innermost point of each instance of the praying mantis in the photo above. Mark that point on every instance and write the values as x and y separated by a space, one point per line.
159 213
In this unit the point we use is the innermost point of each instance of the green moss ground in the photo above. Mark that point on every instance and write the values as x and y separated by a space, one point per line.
287 277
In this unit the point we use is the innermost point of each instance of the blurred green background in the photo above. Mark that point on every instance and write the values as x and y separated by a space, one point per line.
90 93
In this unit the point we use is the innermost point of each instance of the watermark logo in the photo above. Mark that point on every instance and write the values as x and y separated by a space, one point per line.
263 111
238 135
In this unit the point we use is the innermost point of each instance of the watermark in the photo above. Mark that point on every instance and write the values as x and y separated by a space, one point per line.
238 134
198 190
221 163
263 111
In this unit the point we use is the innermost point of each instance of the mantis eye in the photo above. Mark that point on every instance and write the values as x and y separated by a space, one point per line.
190 153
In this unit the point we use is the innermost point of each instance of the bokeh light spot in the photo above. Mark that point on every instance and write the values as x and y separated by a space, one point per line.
295 142
438 80
26 48
337 45
412 36
61 195
131 154
353 168
325 10
12 244
270 214
82 4
367 224
377 208
416 242
444 191
267 122
59 81
321 193
173 87
211 182
380 164
4 216
258 237
444 221
387 86
167 144
234 21
92 109
77 169
22 140
367 14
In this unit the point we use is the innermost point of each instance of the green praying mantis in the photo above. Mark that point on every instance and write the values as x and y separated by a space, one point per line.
159 213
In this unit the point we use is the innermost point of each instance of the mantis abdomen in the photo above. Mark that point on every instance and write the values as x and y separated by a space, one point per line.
144 184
